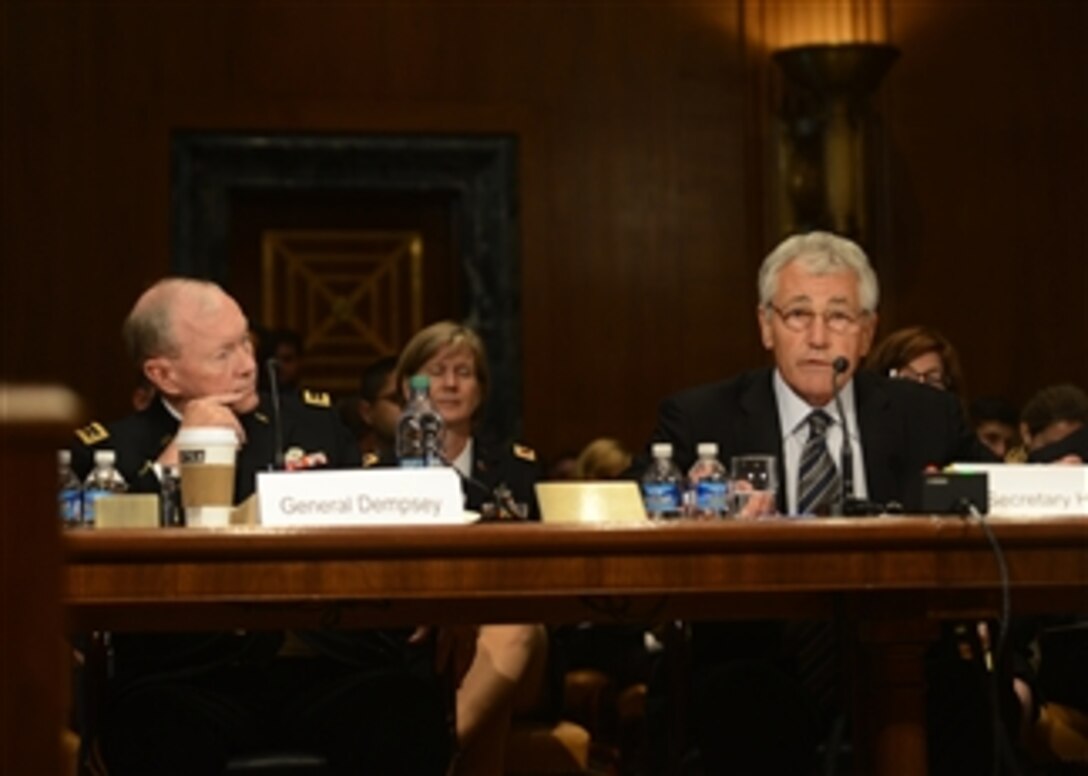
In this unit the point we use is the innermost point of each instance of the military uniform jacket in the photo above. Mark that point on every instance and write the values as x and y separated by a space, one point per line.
493 464
138 440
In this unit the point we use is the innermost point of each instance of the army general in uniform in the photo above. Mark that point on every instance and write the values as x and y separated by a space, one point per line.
365 701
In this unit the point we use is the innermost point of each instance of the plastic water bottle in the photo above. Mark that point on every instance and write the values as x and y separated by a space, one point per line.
171 513
69 491
104 480
420 430
662 484
708 483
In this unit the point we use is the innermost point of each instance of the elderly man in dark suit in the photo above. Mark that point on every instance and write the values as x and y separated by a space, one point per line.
818 299
757 708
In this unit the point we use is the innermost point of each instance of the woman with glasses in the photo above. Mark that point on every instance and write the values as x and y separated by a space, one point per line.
922 354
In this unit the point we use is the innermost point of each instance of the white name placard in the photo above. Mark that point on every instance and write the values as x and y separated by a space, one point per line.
360 497
1034 489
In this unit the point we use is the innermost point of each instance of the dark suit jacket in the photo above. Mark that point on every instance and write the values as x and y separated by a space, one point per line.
1075 443
903 426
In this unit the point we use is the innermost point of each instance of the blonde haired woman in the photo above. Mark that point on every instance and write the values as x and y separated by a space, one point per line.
508 673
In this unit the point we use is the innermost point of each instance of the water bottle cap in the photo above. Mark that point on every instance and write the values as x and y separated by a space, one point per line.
64 457
661 450
707 449
419 382
104 457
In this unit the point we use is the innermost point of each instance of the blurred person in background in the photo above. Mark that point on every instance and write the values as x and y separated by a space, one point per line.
922 354
602 459
379 407
1054 424
996 424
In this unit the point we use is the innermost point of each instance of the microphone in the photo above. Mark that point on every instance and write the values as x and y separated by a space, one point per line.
851 506
506 507
277 418
846 453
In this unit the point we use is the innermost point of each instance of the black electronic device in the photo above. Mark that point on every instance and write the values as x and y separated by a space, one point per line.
955 493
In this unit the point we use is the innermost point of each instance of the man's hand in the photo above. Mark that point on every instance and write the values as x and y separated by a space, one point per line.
454 649
760 503
206 411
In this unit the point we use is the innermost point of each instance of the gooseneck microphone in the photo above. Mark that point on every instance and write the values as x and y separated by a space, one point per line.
839 367
851 505
501 495
277 419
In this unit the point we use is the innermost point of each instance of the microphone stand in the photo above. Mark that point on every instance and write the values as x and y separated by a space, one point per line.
850 505
502 498
277 418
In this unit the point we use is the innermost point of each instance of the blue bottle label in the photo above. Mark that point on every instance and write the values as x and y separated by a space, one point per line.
71 506
710 497
661 498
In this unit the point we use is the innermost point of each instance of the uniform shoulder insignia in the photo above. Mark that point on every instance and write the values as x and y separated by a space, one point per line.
370 459
525 453
316 398
92 434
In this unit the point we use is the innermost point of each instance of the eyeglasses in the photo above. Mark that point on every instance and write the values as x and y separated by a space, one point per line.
933 377
800 319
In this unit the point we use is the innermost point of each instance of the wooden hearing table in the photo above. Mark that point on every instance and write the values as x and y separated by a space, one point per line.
887 581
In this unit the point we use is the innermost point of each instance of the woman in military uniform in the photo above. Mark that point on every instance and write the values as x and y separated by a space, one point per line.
508 674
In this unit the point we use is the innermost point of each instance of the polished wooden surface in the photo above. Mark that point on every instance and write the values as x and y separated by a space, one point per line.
646 153
887 582
935 566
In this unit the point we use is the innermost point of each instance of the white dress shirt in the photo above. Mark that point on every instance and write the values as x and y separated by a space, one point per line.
793 412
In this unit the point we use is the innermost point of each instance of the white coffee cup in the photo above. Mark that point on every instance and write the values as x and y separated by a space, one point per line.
206 455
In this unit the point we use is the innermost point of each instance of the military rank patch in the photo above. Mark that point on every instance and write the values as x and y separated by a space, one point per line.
525 453
370 459
92 434
316 398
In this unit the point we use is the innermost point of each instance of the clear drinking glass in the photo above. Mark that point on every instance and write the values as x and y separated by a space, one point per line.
754 486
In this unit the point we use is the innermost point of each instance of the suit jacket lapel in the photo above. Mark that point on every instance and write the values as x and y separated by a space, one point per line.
880 437
761 428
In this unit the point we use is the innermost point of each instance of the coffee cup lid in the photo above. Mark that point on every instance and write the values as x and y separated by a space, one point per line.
207 436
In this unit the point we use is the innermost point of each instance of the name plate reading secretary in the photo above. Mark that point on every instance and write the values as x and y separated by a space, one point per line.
1034 489
360 497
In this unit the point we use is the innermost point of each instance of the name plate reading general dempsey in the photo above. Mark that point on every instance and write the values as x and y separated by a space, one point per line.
361 497
1033 489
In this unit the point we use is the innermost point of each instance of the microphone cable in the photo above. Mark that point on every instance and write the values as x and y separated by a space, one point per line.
1002 749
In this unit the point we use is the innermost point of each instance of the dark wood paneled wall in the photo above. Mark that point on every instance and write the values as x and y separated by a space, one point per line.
640 225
